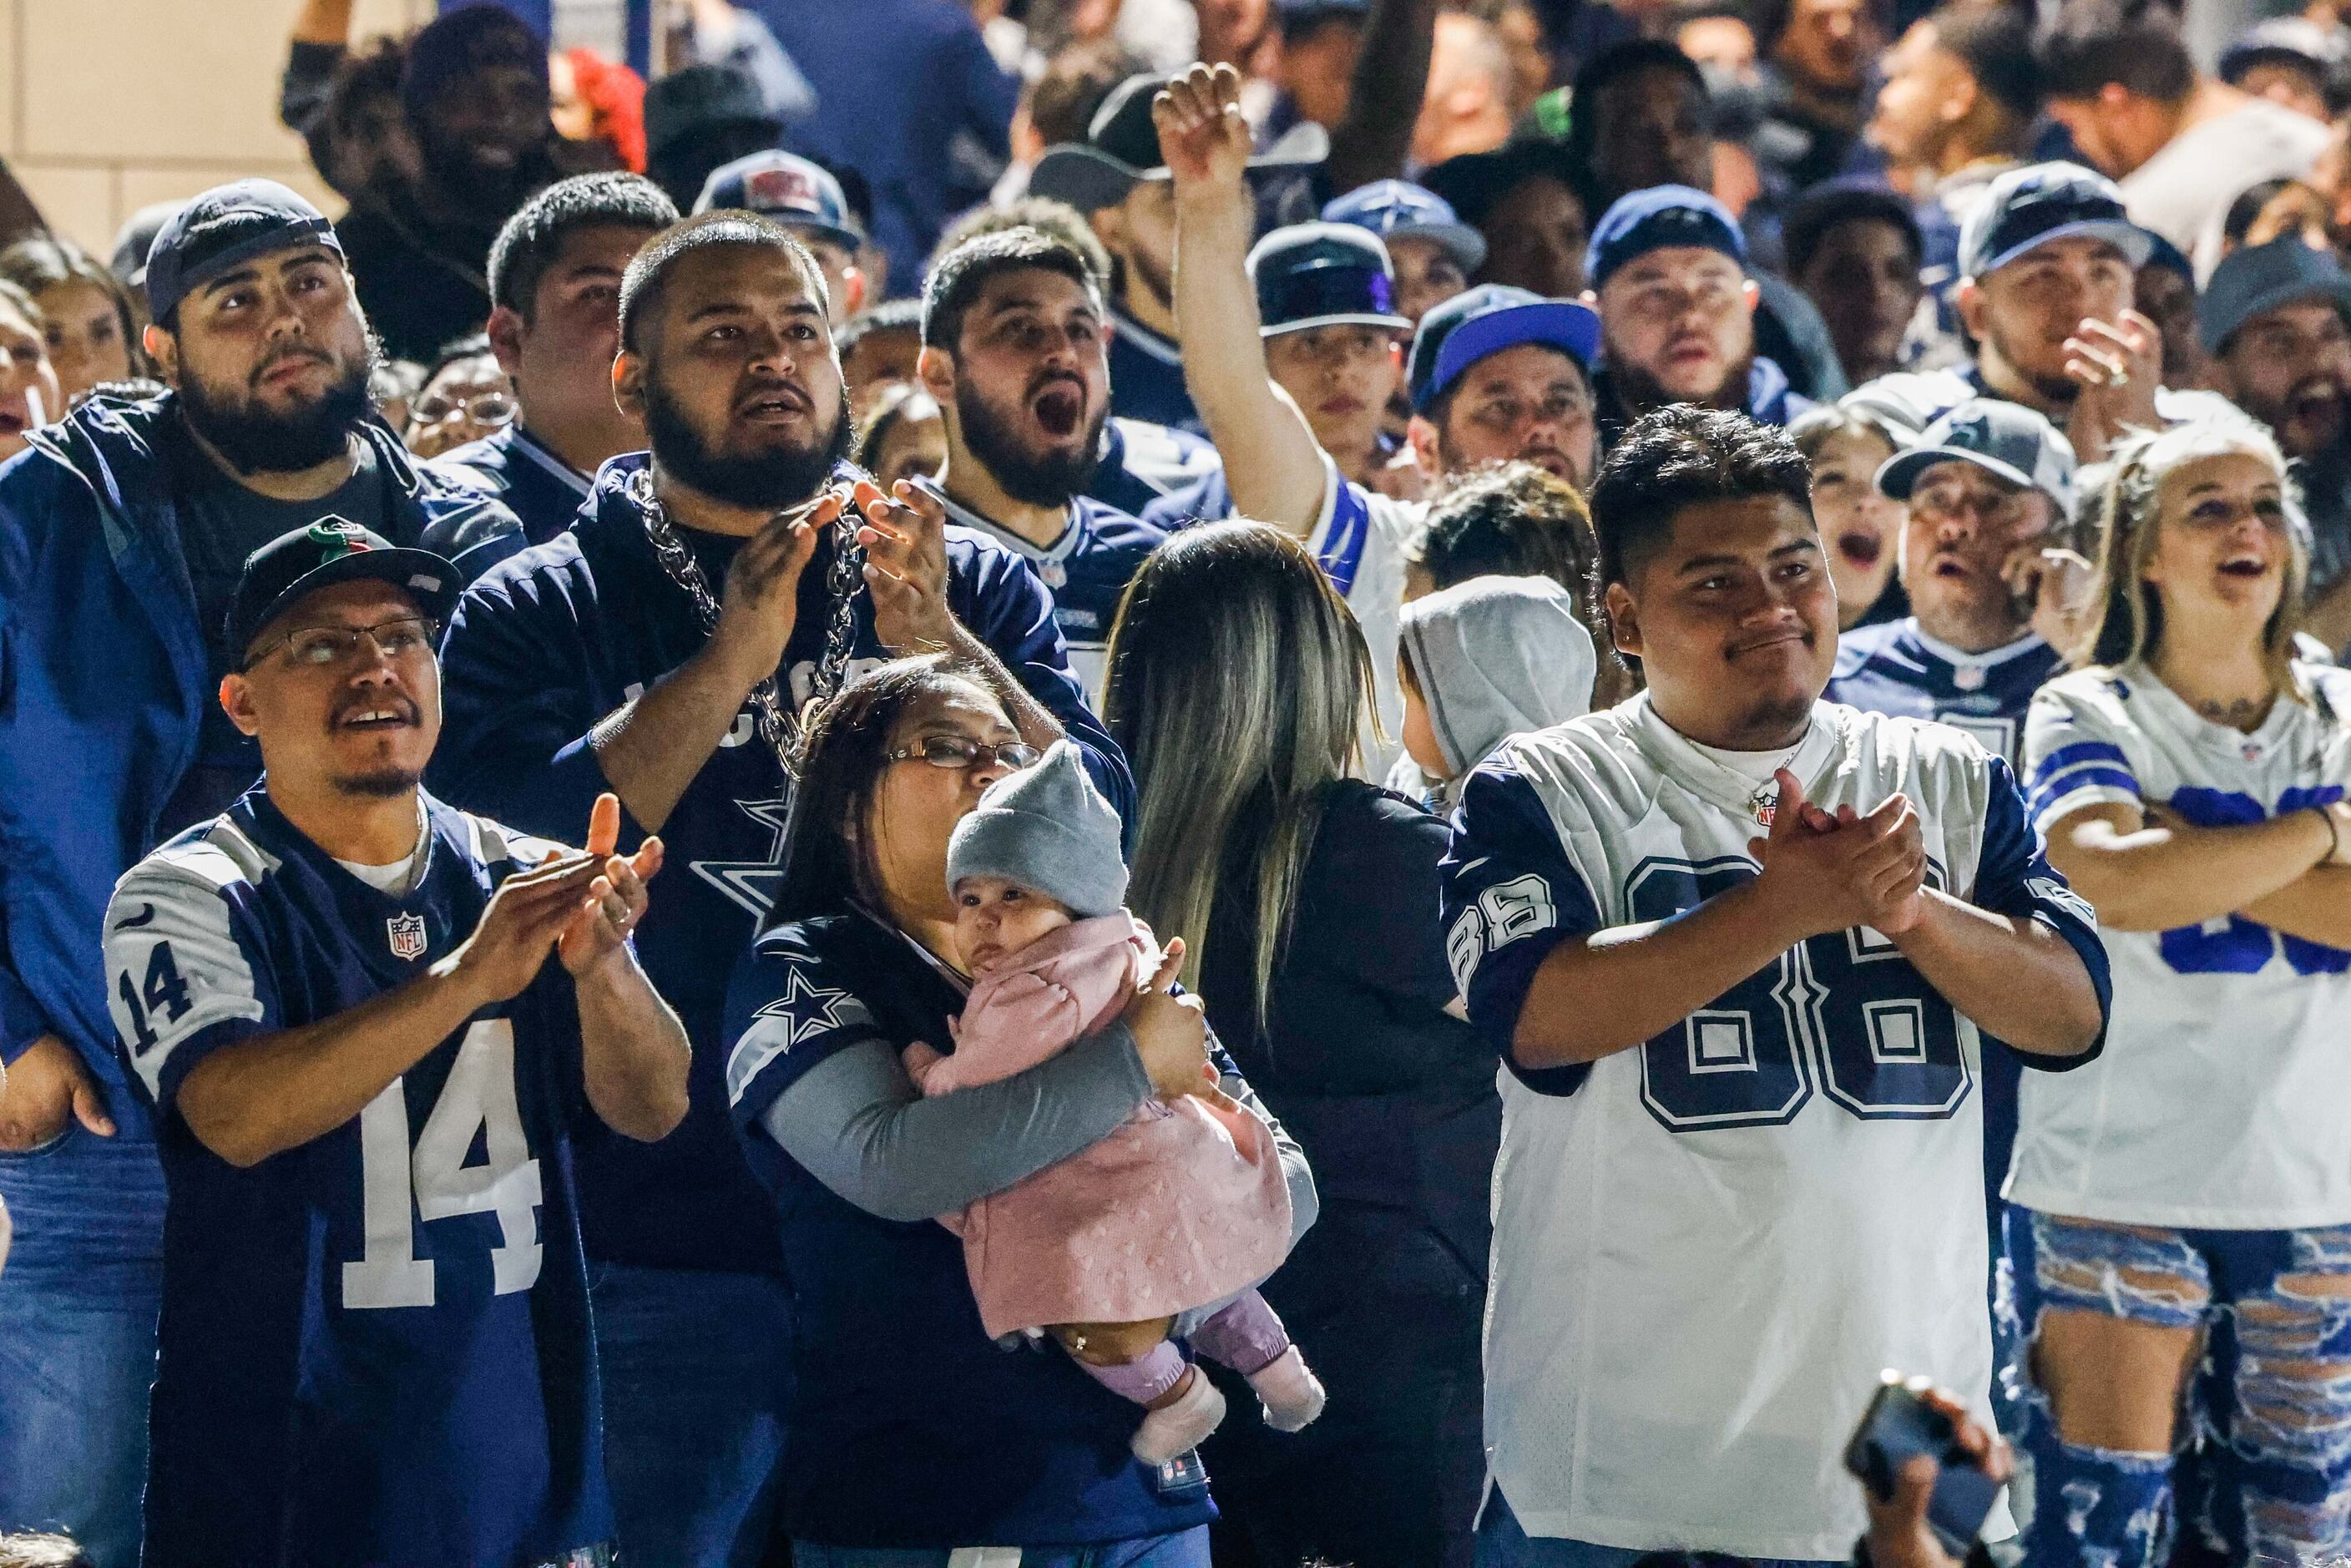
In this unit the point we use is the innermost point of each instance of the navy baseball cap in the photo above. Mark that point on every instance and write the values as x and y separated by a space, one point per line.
1486 320
796 193
2259 278
1655 219
222 230
1122 150
2005 439
1397 209
333 549
2033 205
1323 275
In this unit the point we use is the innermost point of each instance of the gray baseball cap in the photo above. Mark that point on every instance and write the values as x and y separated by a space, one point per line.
2005 439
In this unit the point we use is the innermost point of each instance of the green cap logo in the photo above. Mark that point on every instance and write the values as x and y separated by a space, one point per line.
336 537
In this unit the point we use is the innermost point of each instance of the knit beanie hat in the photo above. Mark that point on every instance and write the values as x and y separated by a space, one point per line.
1047 829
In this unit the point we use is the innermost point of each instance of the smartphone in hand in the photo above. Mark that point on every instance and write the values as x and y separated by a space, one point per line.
1899 1423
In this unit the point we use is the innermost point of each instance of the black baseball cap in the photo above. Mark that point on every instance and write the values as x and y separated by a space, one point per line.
702 97
1122 150
222 230
293 566
1323 275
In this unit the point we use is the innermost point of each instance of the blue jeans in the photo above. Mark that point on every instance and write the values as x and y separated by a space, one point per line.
1502 1544
77 1303
1184 1549
696 1368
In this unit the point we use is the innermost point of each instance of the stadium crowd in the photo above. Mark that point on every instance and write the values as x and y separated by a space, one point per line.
1140 783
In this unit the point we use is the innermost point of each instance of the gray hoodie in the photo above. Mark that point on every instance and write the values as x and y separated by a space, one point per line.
1494 657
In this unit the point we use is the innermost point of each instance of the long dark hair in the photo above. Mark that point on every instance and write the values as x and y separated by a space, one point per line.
1237 683
843 756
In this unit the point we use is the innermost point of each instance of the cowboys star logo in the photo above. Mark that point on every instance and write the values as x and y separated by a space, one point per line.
752 884
807 1010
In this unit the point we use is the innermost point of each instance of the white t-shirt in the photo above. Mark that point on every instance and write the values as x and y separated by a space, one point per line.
2223 1098
2184 192
1706 1248
1360 537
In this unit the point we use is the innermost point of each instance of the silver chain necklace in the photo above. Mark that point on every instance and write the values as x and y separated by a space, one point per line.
782 731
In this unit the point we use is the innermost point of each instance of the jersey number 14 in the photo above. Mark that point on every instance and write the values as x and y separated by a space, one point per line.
477 1101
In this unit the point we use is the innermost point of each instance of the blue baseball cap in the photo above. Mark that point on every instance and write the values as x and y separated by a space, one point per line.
224 229
2028 207
1657 218
1323 275
2005 439
794 191
1486 320
2256 279
1397 209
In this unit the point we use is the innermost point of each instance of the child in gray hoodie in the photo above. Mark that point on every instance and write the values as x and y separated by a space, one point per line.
1481 662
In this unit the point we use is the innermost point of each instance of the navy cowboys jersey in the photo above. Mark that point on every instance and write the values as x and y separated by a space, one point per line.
1896 669
1147 376
1707 1247
1086 569
524 472
547 644
374 1347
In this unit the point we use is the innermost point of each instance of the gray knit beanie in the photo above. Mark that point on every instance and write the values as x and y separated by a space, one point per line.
1047 829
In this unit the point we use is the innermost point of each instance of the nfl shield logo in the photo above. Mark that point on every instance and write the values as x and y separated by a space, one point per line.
407 935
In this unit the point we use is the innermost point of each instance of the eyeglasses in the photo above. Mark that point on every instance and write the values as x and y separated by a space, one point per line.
406 637
960 751
482 408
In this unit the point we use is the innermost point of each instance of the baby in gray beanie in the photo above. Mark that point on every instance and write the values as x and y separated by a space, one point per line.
1183 1206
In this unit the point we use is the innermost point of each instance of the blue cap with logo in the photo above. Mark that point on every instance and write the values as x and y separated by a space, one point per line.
2005 439
2028 207
1397 209
1486 320
224 229
794 191
1659 218
1323 275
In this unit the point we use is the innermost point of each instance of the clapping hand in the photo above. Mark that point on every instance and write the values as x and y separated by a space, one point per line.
615 899
905 535
1830 870
2119 365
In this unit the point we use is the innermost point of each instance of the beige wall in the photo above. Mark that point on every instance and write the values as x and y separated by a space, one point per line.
106 105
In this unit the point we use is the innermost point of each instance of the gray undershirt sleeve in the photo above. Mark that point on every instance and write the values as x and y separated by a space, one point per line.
857 1123
1305 1203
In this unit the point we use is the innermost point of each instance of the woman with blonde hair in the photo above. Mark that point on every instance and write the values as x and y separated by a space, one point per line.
1238 686
2180 1219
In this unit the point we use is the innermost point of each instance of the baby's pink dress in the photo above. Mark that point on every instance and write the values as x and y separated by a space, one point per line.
1181 1206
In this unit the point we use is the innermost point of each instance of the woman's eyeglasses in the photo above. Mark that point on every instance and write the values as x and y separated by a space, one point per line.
483 408
960 751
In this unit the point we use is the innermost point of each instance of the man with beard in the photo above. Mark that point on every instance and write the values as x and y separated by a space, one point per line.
475 94
1014 351
1495 375
1668 270
121 537
660 650
2047 267
2277 320
332 994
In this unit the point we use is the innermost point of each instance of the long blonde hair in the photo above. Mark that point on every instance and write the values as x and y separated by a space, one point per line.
2130 617
1238 681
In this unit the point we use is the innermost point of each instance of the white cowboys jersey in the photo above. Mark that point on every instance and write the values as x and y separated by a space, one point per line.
1361 540
2224 1099
1706 1249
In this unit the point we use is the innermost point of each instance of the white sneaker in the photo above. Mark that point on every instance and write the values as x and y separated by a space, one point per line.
1169 1430
1293 1397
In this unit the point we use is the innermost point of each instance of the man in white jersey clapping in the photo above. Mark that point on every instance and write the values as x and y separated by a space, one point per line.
1735 945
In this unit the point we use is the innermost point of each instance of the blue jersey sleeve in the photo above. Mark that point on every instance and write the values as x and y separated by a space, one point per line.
787 1011
515 699
1508 896
2013 877
1008 607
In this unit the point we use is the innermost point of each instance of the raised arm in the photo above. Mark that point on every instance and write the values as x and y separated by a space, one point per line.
1391 72
1273 462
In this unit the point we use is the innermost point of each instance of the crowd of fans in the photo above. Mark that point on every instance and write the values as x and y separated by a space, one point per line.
1374 489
